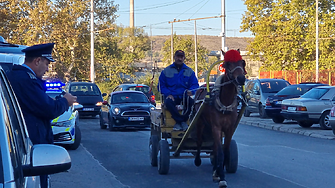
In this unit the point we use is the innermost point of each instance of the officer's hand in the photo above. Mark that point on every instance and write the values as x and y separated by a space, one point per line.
170 97
70 98
189 93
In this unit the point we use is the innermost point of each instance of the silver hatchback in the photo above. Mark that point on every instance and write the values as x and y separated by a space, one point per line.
311 108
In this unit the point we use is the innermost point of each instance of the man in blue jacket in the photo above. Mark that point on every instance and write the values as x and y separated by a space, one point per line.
175 81
37 107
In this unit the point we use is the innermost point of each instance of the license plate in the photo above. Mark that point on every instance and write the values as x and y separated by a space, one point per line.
291 108
278 102
88 109
136 118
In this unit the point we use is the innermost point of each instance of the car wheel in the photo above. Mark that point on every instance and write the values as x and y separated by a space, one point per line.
153 149
111 124
324 121
278 119
261 111
305 124
246 113
77 139
102 123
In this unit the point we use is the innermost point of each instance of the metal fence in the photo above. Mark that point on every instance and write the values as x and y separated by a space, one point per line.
295 77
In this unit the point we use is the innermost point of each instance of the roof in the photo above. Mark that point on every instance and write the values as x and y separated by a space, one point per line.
127 91
133 85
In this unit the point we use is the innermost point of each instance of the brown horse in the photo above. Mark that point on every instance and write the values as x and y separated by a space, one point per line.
220 114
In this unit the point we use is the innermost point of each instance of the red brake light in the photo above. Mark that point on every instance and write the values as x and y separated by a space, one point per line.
267 102
153 97
283 107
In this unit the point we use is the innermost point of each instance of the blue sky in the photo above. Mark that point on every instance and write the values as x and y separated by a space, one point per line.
159 13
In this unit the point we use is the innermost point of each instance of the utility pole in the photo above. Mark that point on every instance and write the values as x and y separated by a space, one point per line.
171 42
195 49
171 22
317 42
92 75
131 16
151 47
223 27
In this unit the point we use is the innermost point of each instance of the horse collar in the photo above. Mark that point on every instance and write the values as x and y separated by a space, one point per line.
222 108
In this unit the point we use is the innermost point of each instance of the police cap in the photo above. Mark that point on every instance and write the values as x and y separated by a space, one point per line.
40 50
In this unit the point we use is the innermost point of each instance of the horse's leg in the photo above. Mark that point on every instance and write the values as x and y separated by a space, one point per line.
217 136
200 128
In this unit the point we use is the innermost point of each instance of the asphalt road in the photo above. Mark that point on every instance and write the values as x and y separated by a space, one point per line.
267 159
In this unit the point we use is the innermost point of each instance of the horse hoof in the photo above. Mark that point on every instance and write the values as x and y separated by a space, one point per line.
222 184
197 161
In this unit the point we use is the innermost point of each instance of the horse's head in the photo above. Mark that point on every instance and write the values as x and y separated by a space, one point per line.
235 66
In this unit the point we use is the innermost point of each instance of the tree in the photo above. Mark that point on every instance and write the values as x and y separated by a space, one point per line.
186 43
285 33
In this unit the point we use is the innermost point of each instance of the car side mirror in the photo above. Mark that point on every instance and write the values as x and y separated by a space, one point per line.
104 94
77 106
47 159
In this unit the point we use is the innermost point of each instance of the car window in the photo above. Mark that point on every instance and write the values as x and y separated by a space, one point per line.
273 86
83 90
144 89
315 93
129 98
294 90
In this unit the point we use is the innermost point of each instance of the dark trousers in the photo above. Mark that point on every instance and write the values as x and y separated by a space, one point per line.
44 181
171 106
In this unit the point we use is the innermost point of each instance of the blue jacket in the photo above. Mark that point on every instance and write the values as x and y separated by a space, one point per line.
172 82
37 107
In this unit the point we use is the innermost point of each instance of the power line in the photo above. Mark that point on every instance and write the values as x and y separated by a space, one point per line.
159 6
199 9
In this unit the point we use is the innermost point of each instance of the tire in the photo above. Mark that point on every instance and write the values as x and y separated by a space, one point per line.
211 158
305 124
153 149
246 113
261 111
163 157
324 121
231 165
102 123
278 119
77 138
111 124
333 129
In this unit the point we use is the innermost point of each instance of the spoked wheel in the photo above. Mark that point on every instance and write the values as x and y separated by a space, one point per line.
231 165
153 149
163 157
324 121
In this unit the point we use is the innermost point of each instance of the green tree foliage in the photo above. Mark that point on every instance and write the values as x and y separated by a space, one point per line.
152 81
67 23
285 34
186 43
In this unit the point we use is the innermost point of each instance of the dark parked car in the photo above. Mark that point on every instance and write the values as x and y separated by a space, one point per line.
89 95
258 91
273 103
126 109
138 87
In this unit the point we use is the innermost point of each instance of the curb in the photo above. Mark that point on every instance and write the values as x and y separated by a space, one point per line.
323 134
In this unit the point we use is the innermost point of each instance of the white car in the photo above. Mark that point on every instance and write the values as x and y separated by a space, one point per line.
65 127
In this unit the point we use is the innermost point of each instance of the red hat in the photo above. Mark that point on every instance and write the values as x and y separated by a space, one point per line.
232 56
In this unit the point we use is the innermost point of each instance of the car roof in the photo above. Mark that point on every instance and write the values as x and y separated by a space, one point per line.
133 85
326 87
270 79
127 91
310 84
82 83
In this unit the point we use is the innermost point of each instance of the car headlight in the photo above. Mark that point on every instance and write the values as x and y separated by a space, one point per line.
67 123
98 104
152 108
116 111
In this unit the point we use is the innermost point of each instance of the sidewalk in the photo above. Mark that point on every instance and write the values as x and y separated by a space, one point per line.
287 126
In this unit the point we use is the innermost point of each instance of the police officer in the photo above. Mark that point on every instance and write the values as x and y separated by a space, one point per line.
174 81
37 107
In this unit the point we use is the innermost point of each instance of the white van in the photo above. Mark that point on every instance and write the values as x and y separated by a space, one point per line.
10 54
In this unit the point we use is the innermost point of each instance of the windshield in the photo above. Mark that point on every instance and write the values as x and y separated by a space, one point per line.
144 89
84 90
315 93
294 90
273 86
129 98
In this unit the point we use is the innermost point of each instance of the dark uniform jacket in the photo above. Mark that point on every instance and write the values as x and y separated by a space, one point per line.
37 107
174 82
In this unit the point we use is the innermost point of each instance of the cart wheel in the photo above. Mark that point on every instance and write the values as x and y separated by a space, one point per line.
231 166
153 149
163 157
